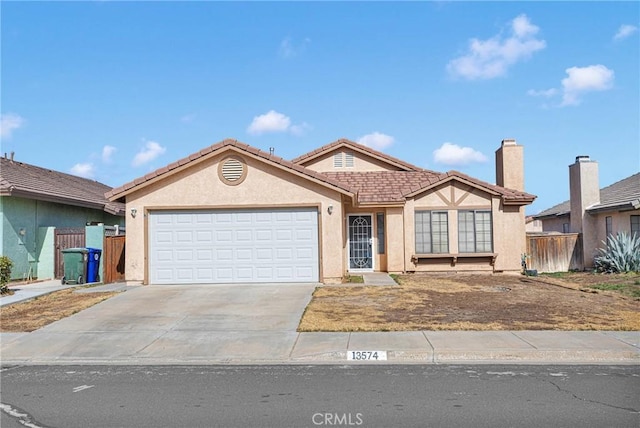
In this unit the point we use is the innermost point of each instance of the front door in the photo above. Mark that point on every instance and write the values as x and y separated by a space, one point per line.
360 242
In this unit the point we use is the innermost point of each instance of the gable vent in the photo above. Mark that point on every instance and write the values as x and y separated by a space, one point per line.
337 160
348 160
232 171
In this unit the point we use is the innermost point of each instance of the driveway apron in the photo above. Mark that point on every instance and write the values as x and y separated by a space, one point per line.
173 323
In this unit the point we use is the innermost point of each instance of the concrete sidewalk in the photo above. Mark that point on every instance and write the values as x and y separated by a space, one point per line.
256 324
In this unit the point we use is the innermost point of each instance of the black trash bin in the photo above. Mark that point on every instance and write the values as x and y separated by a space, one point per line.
75 265
93 264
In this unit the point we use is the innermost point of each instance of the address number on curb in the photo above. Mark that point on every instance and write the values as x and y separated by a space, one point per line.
367 356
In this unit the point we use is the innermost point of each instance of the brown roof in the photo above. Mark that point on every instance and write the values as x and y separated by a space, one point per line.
343 142
33 182
396 186
121 191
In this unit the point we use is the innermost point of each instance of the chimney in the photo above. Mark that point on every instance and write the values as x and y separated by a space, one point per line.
584 192
510 165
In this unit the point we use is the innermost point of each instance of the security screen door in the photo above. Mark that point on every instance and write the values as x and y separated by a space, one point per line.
360 242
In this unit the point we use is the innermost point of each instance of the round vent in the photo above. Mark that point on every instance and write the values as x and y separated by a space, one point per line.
232 170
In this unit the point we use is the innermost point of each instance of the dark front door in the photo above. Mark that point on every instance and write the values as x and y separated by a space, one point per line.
360 242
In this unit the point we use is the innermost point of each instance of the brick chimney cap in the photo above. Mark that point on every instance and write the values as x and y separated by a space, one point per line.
509 142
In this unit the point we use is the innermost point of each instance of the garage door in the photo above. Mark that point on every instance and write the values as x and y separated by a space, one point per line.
233 246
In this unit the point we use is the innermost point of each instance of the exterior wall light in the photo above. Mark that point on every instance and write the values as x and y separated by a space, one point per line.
134 212
330 209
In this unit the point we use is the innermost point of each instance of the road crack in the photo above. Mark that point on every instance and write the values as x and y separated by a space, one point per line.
587 400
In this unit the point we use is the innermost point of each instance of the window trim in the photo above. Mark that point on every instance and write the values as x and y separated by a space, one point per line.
442 233
475 232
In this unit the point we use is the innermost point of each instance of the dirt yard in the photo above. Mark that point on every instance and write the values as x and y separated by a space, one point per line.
476 302
36 313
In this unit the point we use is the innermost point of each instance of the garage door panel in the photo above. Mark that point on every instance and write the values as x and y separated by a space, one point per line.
223 246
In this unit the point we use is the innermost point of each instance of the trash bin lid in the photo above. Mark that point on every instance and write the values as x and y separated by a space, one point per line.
75 250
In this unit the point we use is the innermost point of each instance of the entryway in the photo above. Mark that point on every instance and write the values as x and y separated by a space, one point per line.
360 230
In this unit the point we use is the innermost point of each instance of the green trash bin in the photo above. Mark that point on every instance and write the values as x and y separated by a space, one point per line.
75 265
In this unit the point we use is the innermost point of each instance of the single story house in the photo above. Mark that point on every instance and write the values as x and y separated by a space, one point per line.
593 212
232 213
44 211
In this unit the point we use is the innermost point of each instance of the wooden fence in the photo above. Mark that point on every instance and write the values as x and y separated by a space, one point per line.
554 252
113 258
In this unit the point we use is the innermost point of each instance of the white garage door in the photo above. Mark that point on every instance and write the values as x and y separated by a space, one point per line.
233 246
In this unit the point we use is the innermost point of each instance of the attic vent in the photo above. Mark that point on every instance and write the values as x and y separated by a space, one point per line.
343 160
348 160
232 170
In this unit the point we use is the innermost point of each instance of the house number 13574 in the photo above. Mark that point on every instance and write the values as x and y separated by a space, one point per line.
367 355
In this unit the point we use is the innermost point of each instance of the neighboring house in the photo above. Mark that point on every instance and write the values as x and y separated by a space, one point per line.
34 202
533 225
593 212
233 213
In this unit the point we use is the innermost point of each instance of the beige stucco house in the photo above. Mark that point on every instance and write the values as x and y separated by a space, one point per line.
233 213
592 212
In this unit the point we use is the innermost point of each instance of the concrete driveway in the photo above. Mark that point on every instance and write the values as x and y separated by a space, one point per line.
172 323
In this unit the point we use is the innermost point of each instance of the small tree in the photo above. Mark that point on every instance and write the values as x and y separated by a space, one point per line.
620 254
5 273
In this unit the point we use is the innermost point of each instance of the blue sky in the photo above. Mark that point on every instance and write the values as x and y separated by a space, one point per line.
113 90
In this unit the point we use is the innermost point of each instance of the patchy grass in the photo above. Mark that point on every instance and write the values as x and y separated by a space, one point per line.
354 279
631 290
34 314
467 302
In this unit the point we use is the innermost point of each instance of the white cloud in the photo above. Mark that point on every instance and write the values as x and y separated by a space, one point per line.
546 93
107 153
376 140
299 130
85 170
151 151
487 59
625 31
453 154
289 49
272 121
585 79
10 122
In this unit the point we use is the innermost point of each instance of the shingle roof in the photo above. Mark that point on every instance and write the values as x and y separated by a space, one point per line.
366 187
121 191
30 181
619 194
362 148
396 186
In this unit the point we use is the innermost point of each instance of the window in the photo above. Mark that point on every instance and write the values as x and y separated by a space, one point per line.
565 227
635 225
432 232
381 235
608 225
474 232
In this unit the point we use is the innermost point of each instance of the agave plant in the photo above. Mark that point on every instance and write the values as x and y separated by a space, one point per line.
620 254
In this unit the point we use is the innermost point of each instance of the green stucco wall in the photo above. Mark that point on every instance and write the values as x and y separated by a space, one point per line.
26 249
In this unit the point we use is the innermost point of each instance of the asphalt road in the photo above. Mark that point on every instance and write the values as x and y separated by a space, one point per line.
321 396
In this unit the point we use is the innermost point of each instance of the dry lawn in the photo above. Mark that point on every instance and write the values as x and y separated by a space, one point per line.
470 302
34 314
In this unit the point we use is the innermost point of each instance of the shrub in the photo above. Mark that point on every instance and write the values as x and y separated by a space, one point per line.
620 254
5 273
